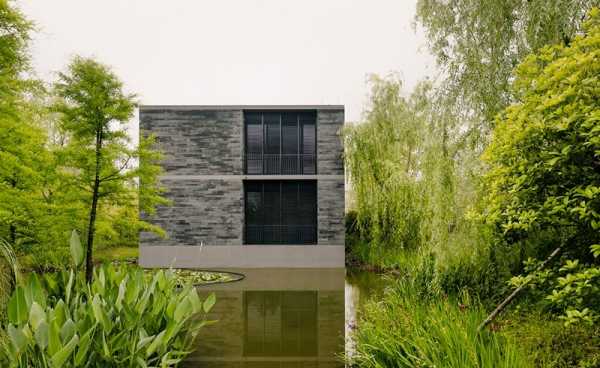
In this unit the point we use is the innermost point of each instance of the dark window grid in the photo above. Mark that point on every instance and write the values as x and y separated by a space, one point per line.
303 229
279 162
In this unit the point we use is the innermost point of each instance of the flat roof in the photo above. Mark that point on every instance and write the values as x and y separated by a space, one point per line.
241 107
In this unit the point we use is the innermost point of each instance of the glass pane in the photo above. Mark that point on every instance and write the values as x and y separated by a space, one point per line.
272 213
309 142
272 143
254 143
290 144
253 213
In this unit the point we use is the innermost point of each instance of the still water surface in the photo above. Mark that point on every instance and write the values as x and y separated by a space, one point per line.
296 318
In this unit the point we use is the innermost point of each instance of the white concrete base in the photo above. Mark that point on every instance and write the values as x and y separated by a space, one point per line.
243 256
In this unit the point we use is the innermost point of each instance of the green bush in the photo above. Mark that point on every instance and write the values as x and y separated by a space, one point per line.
549 344
122 319
408 329
544 176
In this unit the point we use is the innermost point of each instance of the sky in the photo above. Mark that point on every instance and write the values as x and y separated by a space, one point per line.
235 52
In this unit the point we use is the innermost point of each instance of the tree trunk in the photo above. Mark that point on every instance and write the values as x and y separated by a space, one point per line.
12 229
514 294
13 234
89 267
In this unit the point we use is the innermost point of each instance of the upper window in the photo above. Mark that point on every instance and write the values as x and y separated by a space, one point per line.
280 143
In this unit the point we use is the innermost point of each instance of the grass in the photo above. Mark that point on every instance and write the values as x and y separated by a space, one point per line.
549 344
404 329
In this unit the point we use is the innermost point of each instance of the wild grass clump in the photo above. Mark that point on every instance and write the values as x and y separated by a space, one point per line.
408 329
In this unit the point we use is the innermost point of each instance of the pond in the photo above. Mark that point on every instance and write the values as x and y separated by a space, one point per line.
283 318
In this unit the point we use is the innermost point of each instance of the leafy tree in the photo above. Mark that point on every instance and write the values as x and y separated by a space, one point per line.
22 149
382 158
93 109
479 42
544 180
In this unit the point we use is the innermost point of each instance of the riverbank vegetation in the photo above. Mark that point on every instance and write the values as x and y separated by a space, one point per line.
68 167
482 182
124 317
66 158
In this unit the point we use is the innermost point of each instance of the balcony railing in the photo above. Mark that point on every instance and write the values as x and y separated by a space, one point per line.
281 234
280 164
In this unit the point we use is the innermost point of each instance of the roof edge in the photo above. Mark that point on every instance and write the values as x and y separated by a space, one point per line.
241 107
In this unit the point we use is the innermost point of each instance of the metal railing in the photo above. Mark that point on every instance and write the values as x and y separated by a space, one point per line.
280 234
280 164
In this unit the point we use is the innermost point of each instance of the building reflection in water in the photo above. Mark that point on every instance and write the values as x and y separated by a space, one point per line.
275 319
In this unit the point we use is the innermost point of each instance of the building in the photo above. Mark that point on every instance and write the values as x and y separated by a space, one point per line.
251 186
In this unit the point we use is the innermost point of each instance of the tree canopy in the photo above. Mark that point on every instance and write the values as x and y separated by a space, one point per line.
544 158
478 43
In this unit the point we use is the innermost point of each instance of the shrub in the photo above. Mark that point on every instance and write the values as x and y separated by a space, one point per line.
549 344
544 178
409 329
122 319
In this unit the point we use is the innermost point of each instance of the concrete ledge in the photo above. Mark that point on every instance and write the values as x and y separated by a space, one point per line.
241 107
243 256
252 177
322 279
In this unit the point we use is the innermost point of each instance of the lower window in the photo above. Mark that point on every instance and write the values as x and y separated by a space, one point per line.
280 212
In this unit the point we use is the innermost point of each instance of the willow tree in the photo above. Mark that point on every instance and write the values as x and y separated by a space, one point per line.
383 158
477 43
93 110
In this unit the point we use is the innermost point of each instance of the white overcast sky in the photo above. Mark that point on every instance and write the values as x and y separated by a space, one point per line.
211 52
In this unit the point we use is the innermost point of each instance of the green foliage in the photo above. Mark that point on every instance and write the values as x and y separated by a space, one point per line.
414 184
381 155
122 319
478 43
549 344
9 275
406 329
544 178
22 151
93 109
44 161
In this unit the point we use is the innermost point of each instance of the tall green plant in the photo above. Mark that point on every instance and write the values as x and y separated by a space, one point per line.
412 176
121 319
93 109
382 156
404 329
9 274
477 43
543 186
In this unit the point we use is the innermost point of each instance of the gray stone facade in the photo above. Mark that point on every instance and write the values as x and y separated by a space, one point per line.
197 142
331 208
203 173
208 211
329 143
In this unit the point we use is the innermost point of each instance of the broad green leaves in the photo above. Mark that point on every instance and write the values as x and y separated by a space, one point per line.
76 249
208 303
544 180
18 312
123 316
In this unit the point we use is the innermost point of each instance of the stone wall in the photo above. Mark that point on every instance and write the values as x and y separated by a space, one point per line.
203 165
331 207
197 142
208 211
329 143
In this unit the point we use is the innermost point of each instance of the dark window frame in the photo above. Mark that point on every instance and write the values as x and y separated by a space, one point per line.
298 226
280 163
